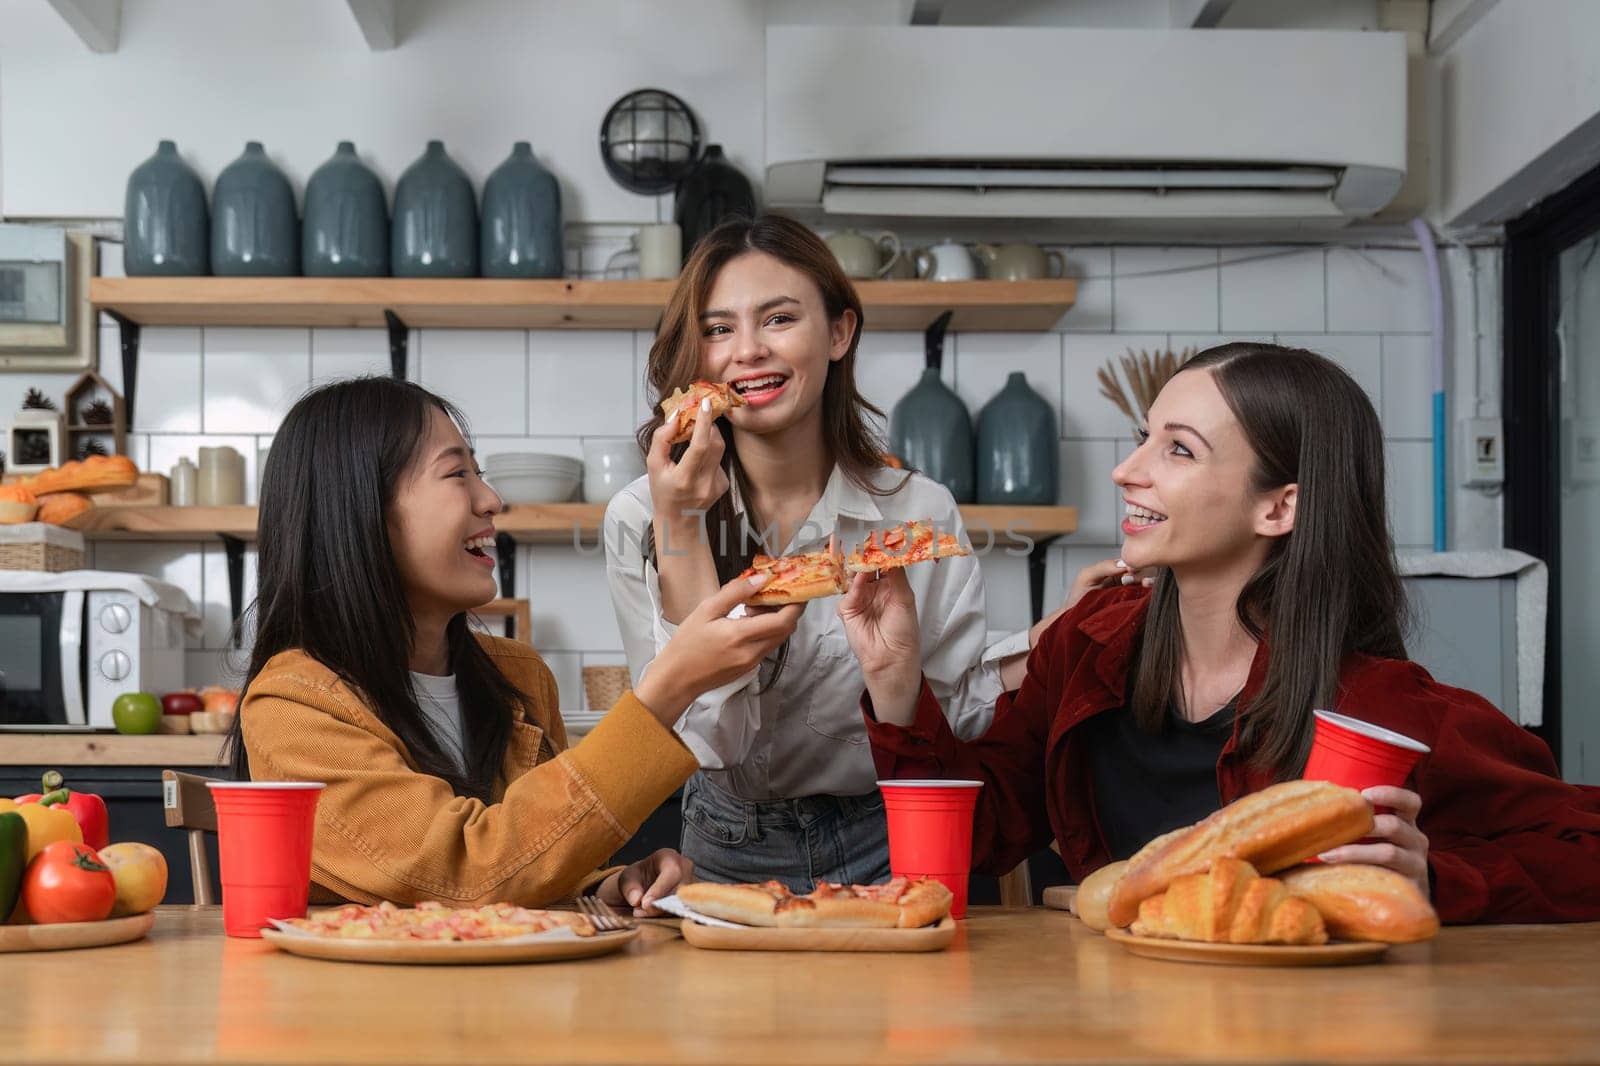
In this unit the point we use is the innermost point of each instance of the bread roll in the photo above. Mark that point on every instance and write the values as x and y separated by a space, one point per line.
1272 830
1095 893
1359 902
57 508
1230 904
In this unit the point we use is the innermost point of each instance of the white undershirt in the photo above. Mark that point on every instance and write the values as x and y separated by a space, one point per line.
441 708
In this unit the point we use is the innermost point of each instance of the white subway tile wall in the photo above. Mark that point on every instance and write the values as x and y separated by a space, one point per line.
547 391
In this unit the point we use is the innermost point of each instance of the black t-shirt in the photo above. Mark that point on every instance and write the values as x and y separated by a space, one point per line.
1146 784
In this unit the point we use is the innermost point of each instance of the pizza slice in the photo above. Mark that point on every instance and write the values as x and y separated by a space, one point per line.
799 578
686 404
903 903
770 904
913 542
914 903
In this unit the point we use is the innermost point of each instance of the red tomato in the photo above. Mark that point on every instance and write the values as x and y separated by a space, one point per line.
67 882
180 703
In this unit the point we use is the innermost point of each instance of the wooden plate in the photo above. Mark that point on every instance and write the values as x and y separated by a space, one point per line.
1061 897
1338 954
68 935
930 938
448 952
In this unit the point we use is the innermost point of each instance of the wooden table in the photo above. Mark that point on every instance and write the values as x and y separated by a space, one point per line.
1018 986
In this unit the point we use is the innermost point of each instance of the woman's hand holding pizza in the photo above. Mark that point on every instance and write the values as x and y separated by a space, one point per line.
710 649
682 491
880 621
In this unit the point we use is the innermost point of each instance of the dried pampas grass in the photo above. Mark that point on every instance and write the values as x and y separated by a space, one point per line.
1146 373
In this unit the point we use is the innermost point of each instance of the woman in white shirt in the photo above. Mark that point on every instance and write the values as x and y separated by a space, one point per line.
787 785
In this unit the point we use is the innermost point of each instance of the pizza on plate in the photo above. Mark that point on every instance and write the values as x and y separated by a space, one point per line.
799 578
435 921
913 542
685 403
901 904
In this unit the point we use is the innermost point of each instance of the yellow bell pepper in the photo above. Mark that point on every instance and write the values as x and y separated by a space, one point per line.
47 822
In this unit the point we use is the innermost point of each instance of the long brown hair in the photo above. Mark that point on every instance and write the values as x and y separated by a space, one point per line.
675 362
853 445
1329 587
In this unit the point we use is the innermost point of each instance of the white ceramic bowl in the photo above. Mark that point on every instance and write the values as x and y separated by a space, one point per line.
536 487
608 465
514 463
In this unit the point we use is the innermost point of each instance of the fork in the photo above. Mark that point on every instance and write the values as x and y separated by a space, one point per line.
604 918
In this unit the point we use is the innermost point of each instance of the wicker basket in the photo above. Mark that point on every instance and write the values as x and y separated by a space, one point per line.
42 547
604 685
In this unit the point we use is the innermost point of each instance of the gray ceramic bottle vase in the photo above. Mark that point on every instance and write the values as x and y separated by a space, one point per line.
435 231
1017 447
346 229
521 232
254 231
930 429
165 223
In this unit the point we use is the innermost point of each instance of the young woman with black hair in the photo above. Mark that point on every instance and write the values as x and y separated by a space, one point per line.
448 772
1257 492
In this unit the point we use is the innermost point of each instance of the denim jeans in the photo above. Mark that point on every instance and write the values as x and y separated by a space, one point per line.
799 842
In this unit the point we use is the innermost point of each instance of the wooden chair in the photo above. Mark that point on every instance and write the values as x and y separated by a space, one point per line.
517 610
186 802
1016 887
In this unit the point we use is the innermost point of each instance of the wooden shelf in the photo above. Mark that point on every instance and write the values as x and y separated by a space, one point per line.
110 749
492 303
547 523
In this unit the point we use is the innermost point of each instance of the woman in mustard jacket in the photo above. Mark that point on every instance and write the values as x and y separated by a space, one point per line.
447 768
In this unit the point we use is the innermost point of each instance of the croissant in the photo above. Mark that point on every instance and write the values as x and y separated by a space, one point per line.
1272 830
1230 904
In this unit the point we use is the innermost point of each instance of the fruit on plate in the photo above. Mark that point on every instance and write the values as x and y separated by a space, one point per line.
13 859
184 702
47 820
86 807
136 713
140 873
66 882
216 698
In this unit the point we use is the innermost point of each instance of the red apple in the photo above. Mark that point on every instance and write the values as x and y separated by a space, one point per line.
181 703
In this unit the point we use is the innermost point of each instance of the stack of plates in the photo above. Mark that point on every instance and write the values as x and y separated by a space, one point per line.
533 477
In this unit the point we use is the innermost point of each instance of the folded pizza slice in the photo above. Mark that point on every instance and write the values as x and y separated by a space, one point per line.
799 578
913 542
686 404
903 903
769 904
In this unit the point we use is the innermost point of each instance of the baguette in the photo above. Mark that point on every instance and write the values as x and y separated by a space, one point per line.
1230 904
79 475
1359 902
1272 830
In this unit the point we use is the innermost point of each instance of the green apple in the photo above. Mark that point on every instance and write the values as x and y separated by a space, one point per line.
136 712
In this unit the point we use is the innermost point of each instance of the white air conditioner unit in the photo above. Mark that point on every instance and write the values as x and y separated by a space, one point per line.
1183 126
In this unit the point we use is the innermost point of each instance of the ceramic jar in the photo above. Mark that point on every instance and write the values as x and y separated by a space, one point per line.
167 229
1018 447
521 232
254 231
346 229
931 431
435 229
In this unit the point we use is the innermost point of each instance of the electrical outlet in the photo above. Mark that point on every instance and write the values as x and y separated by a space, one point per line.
1582 447
1481 453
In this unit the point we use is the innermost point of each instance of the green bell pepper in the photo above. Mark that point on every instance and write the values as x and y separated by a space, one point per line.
13 860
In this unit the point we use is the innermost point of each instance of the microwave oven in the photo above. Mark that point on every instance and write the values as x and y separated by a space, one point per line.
71 643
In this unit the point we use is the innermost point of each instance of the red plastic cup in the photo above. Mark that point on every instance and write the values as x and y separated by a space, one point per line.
930 832
264 831
1358 755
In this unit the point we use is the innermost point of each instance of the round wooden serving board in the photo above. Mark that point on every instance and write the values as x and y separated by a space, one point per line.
449 952
1339 954
68 935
